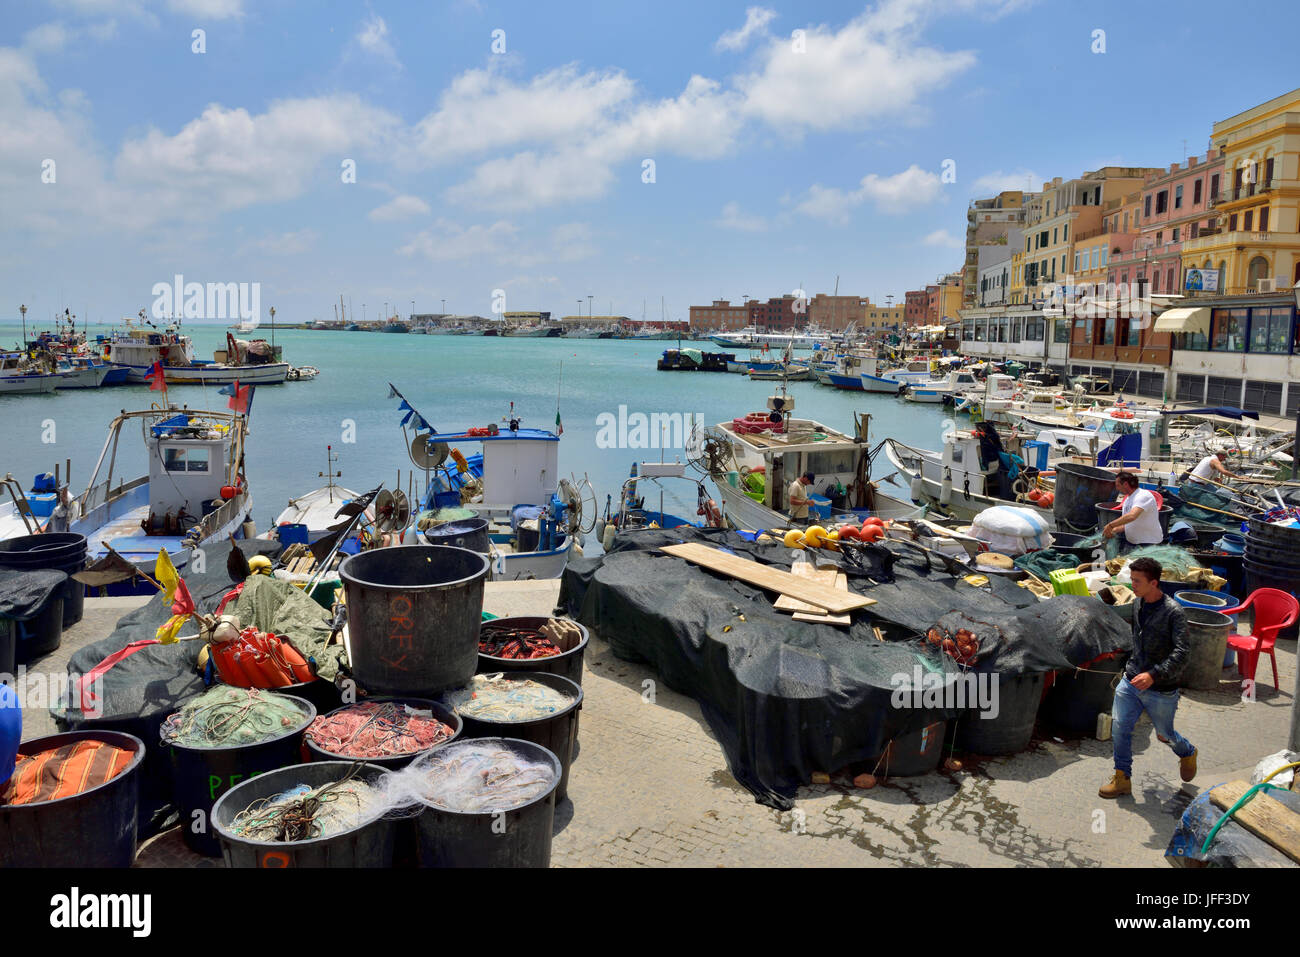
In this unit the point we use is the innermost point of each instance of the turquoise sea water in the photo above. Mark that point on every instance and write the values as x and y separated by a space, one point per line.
455 382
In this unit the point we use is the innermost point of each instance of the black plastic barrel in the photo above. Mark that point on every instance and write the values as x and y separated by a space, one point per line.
62 551
40 635
555 732
913 753
324 695
520 837
440 711
96 828
471 533
1266 553
1077 697
369 844
8 646
568 663
1069 542
1010 731
1207 634
413 617
1078 490
1280 536
155 773
201 775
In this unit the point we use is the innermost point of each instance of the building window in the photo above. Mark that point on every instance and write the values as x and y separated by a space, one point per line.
1155 286
1066 234
1126 221
1054 232
1175 239
1178 197
1105 254
1232 223
1108 332
1270 330
1160 237
1169 279
1263 217
1196 192
1214 186
1247 220
1228 330
1196 230
1258 271
1146 207
1060 331
1268 171
1162 201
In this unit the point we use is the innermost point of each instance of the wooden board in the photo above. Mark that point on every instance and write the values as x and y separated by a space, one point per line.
811 613
767 578
1264 816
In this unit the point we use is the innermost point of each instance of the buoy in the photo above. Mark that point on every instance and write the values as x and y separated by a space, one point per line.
607 540
600 529
794 539
945 489
916 487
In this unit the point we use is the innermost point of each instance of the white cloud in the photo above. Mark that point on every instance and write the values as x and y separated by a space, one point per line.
995 182
483 110
400 207
448 241
227 158
874 68
46 38
941 237
756 21
527 180
734 218
373 41
283 244
889 194
208 9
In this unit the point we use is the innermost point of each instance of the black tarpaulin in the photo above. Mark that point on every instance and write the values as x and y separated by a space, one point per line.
24 593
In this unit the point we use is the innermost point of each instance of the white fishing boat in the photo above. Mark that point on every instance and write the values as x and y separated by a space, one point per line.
782 371
915 370
534 519
138 350
85 375
19 377
193 494
936 391
753 459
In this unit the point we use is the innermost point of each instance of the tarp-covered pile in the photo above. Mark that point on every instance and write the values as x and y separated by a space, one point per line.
788 698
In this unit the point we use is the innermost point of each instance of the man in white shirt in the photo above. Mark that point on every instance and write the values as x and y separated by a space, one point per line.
1139 515
1209 465
797 497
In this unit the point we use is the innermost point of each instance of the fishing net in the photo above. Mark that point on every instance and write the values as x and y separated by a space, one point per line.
1042 563
278 607
471 776
502 641
378 730
224 717
1192 494
501 698
305 813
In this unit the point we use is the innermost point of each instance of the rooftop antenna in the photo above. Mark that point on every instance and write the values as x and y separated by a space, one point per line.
331 459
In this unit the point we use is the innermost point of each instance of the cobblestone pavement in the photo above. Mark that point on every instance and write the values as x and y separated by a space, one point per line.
650 786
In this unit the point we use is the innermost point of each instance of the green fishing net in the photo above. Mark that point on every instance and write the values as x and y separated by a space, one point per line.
224 717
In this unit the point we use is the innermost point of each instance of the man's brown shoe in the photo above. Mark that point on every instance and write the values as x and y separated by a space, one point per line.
1187 767
1116 786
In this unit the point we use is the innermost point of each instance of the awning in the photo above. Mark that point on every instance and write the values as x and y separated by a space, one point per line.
1184 320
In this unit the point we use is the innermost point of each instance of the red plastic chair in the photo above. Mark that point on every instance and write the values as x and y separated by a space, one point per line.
1274 610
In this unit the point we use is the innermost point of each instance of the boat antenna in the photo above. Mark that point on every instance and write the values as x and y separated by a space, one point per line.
331 458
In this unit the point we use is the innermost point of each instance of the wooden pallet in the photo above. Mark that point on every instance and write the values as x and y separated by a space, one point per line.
1264 816
822 597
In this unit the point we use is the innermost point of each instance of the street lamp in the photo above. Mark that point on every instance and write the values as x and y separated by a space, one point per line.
23 310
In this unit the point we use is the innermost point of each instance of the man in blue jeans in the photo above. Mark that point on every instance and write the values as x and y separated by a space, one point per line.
1151 677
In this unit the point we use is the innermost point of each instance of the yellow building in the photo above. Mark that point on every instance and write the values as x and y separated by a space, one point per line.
1256 242
879 318
1016 288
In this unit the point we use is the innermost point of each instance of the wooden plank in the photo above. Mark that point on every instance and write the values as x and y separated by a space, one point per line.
768 579
824 576
1265 817
816 617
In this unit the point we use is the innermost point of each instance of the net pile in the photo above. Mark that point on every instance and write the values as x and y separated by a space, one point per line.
304 813
476 776
500 641
224 717
378 730
500 698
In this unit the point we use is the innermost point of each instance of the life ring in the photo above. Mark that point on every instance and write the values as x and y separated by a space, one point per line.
1018 397
1121 414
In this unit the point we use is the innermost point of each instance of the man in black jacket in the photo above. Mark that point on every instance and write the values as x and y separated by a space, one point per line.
1151 678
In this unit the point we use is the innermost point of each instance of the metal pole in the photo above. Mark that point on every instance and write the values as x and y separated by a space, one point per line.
1295 449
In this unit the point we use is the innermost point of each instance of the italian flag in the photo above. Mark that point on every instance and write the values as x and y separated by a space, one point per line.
559 426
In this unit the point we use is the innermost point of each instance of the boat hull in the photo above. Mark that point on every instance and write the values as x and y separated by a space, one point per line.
270 373
875 383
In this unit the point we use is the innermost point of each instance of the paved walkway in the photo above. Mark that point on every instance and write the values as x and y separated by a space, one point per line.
651 787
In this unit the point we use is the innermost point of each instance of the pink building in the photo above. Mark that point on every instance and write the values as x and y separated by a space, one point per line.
1172 207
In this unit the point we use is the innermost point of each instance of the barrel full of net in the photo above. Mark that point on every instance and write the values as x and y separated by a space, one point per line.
1078 490
413 617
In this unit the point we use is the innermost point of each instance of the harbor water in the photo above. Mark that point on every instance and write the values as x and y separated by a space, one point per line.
454 382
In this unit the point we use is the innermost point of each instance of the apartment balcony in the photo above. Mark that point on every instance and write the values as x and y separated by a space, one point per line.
1128 355
1224 239
1247 190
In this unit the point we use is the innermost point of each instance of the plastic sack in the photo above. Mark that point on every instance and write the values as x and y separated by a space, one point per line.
1011 530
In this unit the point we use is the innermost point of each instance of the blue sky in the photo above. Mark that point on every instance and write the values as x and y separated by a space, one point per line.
522 170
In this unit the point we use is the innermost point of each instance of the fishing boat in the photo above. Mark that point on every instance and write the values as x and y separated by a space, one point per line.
137 350
112 375
783 372
19 376
915 370
753 459
938 391
535 519
85 375
193 494
633 514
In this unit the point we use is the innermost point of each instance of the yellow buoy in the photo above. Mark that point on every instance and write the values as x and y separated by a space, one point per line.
794 539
